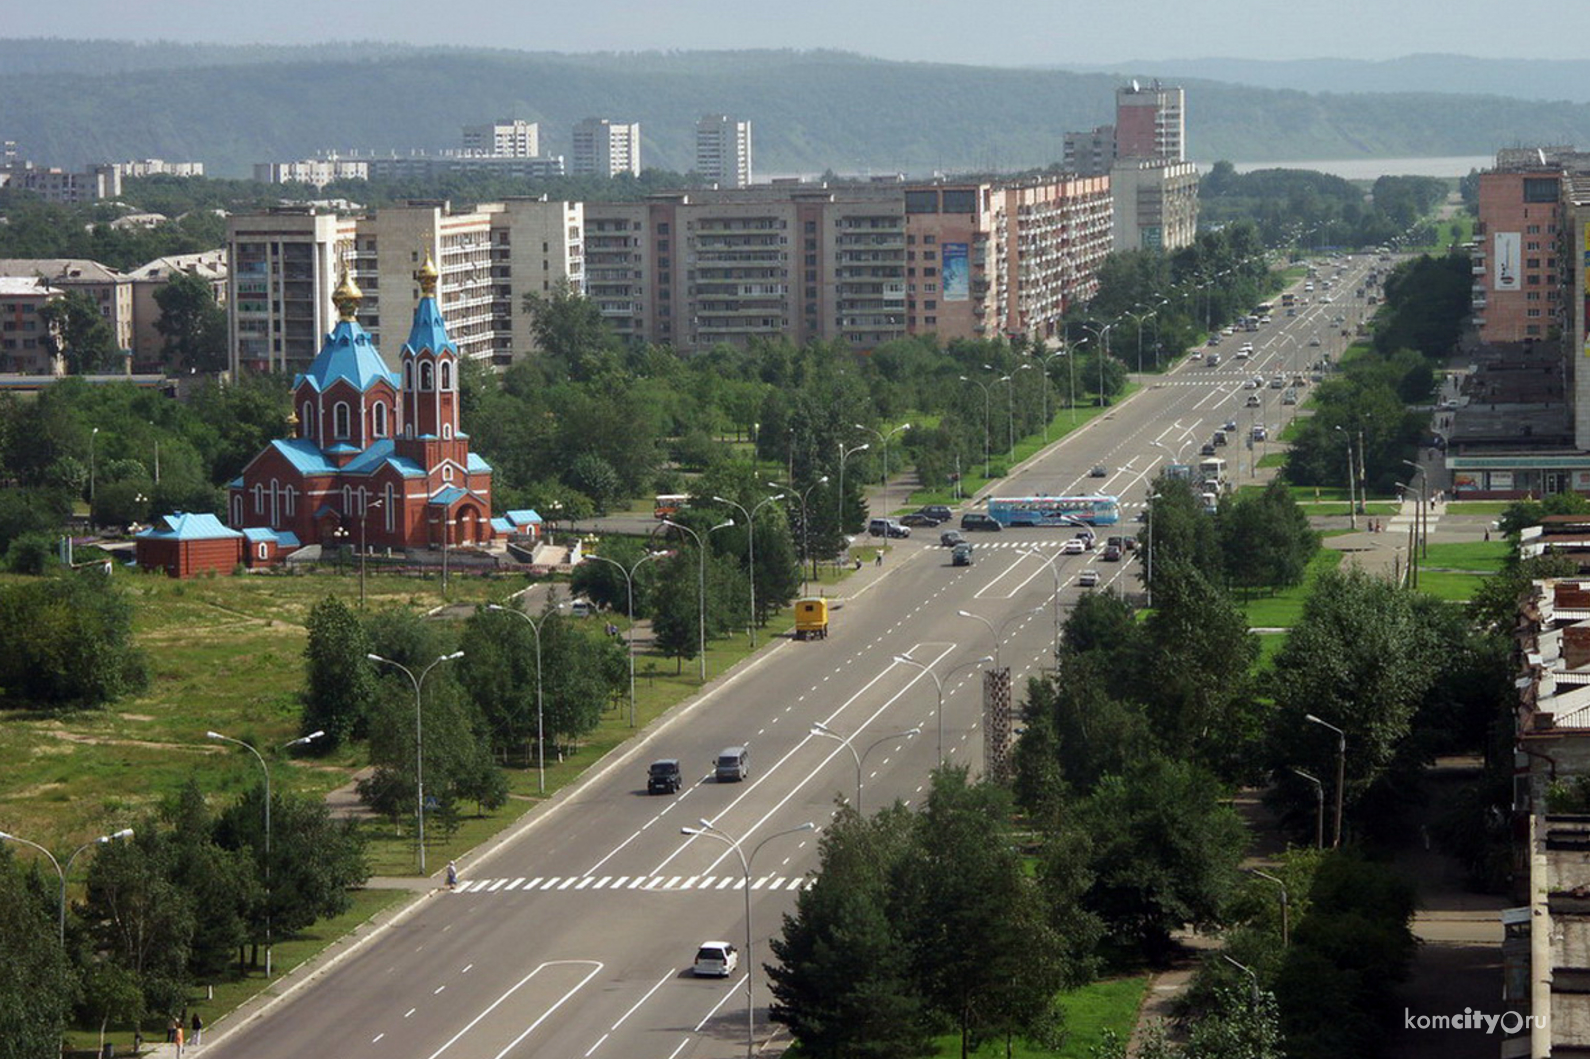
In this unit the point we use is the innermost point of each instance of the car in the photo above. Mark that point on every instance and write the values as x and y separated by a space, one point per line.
663 777
715 959
1250 384
940 512
887 527
961 554
733 764
917 518
1099 471
1214 340
1314 341
1259 433
976 520
1244 354
1253 401
1277 383
1112 554
1074 546
1228 330
582 608
1087 537
1218 439
1290 311
1231 424
1088 578
1264 319
1208 449
1248 346
1289 397
1129 543
950 538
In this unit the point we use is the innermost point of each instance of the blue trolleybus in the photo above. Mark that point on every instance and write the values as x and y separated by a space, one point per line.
1055 510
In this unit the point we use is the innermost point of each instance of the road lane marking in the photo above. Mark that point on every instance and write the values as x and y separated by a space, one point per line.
639 1002
515 884
595 1046
733 992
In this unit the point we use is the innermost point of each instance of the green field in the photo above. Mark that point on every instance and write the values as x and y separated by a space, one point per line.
1282 609
1110 1004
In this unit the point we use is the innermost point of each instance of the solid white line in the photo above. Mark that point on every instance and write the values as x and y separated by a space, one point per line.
676 1051
548 1013
467 966
733 992
376 1038
597 1045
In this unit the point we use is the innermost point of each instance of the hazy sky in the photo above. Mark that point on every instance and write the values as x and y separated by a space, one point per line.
1012 32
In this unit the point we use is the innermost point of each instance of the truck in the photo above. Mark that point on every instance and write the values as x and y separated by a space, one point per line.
811 619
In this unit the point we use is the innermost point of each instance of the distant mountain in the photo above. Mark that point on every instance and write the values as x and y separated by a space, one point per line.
812 111
1533 79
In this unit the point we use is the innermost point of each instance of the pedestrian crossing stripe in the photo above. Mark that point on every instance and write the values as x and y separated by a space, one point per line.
659 883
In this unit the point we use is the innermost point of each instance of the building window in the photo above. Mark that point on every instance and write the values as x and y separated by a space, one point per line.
447 472
447 376
290 501
306 425
339 419
389 506
378 419
426 376
347 501
264 551
447 431
408 375
259 499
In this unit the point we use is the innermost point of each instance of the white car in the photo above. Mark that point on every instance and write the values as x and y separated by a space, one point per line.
1074 546
715 959
1250 384
1088 578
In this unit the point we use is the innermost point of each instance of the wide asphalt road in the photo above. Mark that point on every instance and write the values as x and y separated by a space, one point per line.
575 938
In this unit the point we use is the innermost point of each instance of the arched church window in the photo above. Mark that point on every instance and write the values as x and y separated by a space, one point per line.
306 422
378 419
426 377
447 376
340 419
408 375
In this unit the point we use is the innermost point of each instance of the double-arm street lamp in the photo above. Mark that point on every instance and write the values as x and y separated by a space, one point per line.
300 741
707 830
419 737
541 743
364 513
5 836
1286 926
818 728
1341 772
750 536
629 585
805 523
701 614
939 686
1103 335
1319 807
1138 318
999 635
883 444
1043 373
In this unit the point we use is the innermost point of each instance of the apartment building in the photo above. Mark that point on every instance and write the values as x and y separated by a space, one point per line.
317 172
1156 203
109 289
603 147
23 332
723 150
148 343
1090 153
507 138
61 185
860 263
288 263
1150 122
147 167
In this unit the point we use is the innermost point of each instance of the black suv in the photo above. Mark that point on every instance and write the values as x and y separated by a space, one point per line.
663 777
936 511
976 520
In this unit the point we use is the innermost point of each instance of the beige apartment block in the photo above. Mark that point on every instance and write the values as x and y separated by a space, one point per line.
110 290
23 332
536 245
1156 204
148 343
603 147
285 264
723 151
508 138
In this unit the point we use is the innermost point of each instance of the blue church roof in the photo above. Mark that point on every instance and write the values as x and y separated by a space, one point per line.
380 454
428 331
348 354
189 527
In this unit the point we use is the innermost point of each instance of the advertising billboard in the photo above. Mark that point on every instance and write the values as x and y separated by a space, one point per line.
955 273
1507 262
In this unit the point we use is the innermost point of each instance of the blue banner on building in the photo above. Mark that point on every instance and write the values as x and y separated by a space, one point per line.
955 273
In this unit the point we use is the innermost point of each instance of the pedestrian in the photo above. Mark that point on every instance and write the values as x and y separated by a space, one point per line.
198 1030
878 559
171 1030
179 1039
452 875
858 562
138 1041
1487 535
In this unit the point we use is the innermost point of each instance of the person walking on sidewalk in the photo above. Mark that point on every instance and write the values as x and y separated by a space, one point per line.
452 875
198 1030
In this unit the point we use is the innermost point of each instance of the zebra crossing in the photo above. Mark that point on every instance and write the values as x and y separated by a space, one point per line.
1027 546
639 883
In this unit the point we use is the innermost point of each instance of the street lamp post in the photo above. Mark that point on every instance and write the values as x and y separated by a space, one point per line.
339 534
1341 772
1001 632
1286 929
750 536
818 728
1010 414
701 614
364 512
419 740
1422 521
1043 373
1319 807
1139 318
1055 571
1352 503
883 443
939 686
805 523
1103 335
300 741
629 585
541 743
845 454
92 434
125 832
707 830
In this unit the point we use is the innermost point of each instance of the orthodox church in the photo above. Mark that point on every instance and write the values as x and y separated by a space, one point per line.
377 456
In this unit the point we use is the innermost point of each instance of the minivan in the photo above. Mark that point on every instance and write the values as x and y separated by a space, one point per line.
937 511
733 764
976 520
887 527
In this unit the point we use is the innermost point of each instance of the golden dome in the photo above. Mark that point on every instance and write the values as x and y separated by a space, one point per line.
427 277
347 296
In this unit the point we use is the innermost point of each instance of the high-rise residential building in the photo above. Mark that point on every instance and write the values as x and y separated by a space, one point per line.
507 138
1520 258
145 167
288 263
1150 122
605 148
317 172
1156 203
1090 153
285 264
723 151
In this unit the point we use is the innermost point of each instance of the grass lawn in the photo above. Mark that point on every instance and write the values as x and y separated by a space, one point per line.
1282 610
1449 586
1478 507
1110 1004
1470 555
